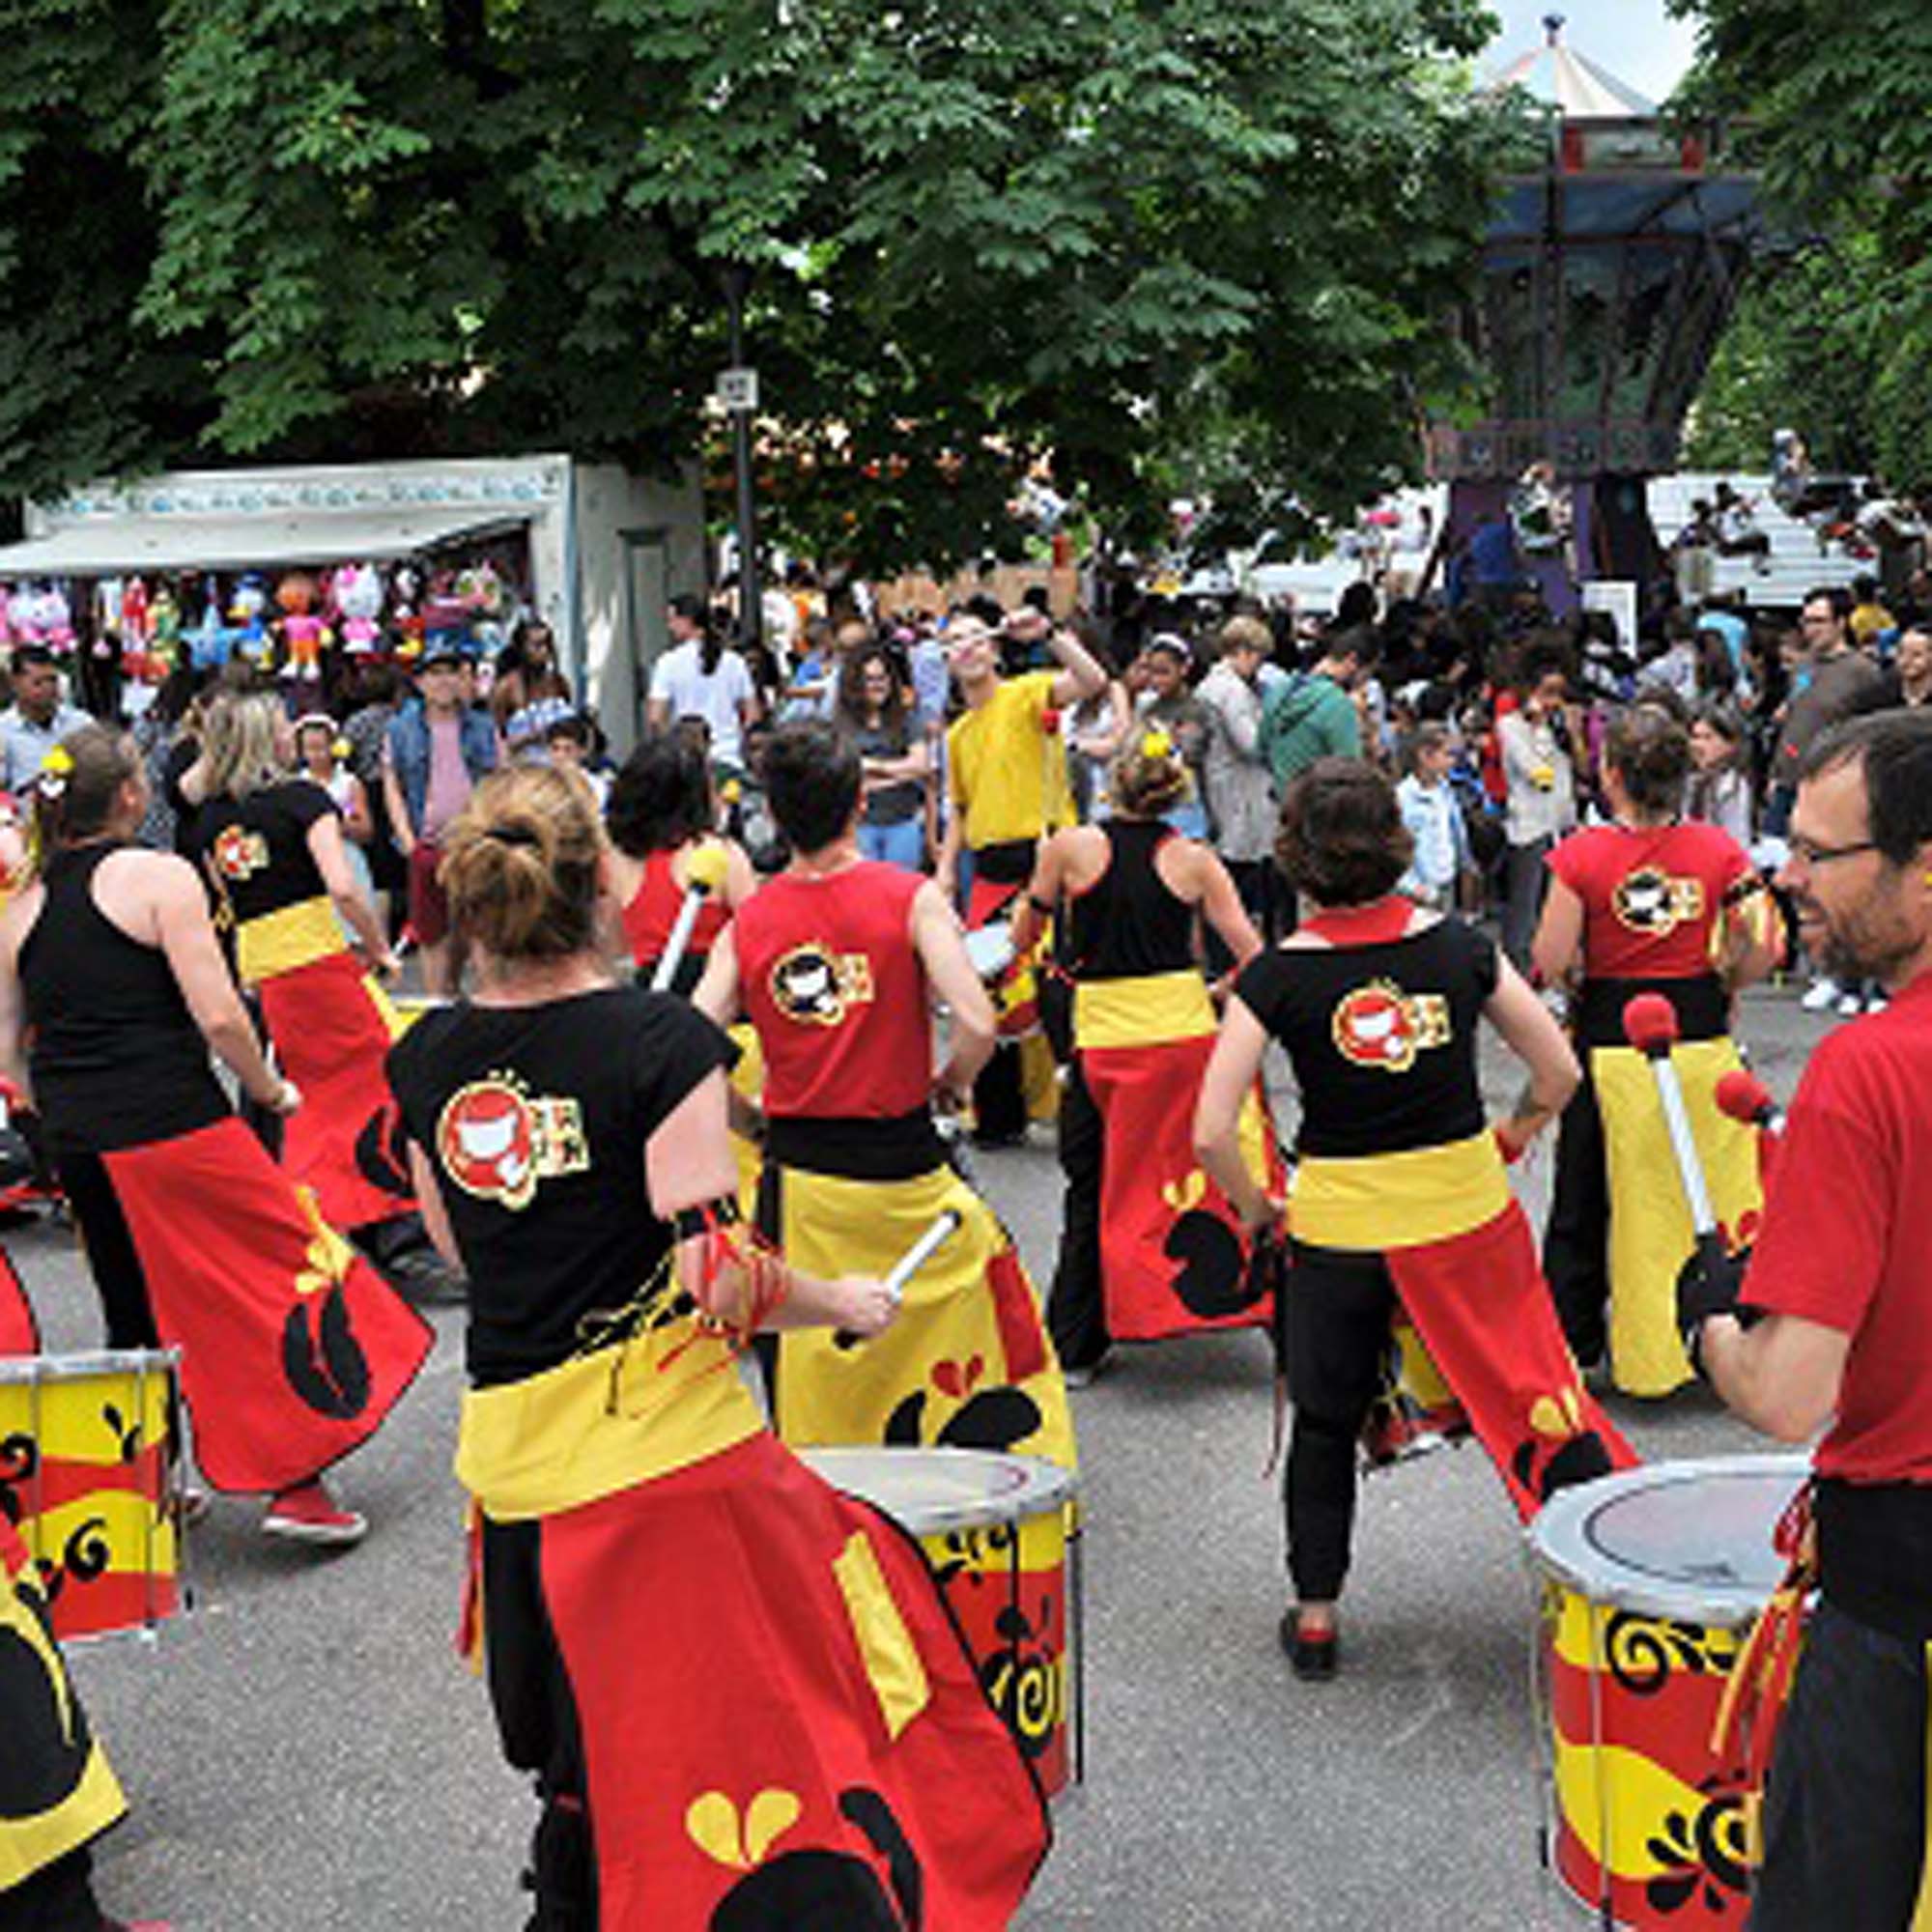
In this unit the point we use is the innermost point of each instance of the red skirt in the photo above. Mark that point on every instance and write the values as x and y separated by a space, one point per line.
779 1720
293 1348
331 1027
20 1333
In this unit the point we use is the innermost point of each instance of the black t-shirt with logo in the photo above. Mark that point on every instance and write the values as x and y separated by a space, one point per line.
255 849
535 1121
1382 1038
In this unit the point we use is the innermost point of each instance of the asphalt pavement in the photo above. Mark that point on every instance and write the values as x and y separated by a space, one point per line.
305 1753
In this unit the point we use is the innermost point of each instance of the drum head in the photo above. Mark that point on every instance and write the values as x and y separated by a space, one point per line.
929 1491
88 1367
1686 1540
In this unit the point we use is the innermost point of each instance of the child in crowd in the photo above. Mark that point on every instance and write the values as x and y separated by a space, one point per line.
1434 820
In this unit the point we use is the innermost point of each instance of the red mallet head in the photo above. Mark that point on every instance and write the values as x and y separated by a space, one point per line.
1650 1022
1744 1096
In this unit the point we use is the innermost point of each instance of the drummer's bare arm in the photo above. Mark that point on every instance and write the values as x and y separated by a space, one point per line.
1783 1375
1217 1114
12 1052
946 867
1557 950
429 1198
935 937
716 994
1530 1031
1042 891
1222 908
1080 674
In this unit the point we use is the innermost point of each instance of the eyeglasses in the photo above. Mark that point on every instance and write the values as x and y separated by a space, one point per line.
1814 855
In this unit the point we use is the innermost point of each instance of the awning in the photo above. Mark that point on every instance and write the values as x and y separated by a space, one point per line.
122 545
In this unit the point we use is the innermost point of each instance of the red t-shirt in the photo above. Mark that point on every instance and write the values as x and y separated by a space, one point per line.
1845 1238
653 910
831 979
1652 896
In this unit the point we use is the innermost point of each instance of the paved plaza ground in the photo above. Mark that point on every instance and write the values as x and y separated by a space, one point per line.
304 1753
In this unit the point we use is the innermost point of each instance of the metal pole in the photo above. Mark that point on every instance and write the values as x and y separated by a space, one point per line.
751 595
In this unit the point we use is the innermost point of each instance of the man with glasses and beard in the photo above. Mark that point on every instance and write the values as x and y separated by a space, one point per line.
1838 1295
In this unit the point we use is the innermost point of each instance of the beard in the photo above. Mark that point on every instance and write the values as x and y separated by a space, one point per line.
1872 940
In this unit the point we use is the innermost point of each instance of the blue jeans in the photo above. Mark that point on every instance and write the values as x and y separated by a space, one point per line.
901 844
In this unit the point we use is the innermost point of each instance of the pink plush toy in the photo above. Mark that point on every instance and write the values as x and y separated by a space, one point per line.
358 590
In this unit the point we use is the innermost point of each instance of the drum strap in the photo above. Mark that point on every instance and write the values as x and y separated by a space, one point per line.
1760 1685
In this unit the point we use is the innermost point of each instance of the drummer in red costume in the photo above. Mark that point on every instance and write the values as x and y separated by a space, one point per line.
1841 1280
741 1699
836 963
1400 1192
662 809
1146 1247
294 1349
1648 903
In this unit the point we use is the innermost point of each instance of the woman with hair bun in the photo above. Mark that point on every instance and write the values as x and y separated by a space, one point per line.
1648 903
676 1615
663 810
1399 1195
293 1349
1148 1249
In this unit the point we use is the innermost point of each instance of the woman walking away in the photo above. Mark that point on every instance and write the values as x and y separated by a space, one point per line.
1399 1195
294 1349
678 1620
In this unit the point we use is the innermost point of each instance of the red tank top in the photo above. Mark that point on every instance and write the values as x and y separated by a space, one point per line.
829 978
651 911
1652 897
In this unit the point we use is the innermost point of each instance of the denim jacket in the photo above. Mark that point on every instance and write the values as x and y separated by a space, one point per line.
409 752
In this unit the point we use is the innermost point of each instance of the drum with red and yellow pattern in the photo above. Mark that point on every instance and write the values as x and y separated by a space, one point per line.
1652 1579
1000 1533
87 1479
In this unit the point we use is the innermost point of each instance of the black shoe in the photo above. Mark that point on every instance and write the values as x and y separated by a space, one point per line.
402 1252
1312 1659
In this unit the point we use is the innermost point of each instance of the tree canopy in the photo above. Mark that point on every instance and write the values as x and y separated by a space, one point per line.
1146 235
1836 112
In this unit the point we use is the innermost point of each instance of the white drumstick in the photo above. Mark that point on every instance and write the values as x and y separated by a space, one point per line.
1651 1024
704 873
941 1230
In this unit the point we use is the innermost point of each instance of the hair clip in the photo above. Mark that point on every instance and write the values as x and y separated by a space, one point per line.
58 761
1156 745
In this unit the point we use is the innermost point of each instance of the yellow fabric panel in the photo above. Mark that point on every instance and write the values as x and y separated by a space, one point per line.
748 1082
30 1844
278 942
1040 1078
1406 1199
1650 1224
828 1395
1144 1012
601 1423
1009 776
65 1414
1615 1800
891 1658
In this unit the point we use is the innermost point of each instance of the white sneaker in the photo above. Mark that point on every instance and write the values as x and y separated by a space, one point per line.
1820 994
1849 1005
1876 1004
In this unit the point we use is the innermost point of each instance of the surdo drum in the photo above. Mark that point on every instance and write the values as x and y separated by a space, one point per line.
998 1533
1651 1581
88 1478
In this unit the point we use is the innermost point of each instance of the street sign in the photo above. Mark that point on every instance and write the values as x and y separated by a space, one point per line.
738 388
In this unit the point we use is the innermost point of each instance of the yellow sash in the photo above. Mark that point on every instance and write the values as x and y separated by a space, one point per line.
1406 1200
278 942
1142 1011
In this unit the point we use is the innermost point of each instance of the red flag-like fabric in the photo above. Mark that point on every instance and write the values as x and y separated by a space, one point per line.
20 1333
331 1027
294 1349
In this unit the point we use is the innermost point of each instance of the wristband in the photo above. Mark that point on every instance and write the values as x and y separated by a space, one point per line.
687 1223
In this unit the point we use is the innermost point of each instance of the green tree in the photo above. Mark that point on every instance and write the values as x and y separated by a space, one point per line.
977 232
1837 115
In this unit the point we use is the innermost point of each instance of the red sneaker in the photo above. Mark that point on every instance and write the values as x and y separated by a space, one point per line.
309 1514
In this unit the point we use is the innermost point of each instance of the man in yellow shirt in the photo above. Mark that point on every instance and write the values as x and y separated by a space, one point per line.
1007 785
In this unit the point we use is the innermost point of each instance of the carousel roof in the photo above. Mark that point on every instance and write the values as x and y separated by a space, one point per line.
1579 89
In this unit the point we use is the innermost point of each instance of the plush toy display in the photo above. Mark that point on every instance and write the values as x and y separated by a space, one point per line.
303 634
253 638
163 630
211 642
358 591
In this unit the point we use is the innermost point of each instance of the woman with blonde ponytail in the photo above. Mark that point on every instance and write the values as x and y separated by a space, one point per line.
569 1142
1147 1248
293 1349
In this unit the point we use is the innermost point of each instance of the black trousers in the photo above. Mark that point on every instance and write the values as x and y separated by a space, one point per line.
999 1099
1334 1314
57 1898
118 1278
537 1722
1577 1242
1845 1812
1076 1307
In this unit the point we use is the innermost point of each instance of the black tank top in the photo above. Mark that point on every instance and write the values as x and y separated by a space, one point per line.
1127 924
1382 1037
117 1060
